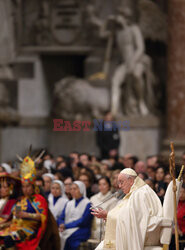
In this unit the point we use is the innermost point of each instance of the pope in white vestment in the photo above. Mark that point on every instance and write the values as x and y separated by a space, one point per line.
135 223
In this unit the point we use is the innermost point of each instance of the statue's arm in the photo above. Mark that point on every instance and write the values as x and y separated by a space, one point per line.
97 22
92 18
139 42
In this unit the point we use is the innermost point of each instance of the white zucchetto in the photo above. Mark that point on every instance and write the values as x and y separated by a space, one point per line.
128 171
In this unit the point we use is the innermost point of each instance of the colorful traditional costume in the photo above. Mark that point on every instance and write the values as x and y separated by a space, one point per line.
7 203
26 233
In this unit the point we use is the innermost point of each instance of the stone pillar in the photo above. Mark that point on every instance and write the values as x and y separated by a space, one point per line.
176 76
176 70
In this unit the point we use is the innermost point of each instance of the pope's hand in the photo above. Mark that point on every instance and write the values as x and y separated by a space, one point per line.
99 213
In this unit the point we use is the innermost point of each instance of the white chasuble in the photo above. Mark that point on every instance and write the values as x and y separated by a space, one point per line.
135 222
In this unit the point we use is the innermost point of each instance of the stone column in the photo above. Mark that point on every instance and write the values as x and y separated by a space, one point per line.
176 76
176 70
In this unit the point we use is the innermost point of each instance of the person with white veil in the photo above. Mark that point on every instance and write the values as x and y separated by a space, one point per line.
57 198
48 179
75 221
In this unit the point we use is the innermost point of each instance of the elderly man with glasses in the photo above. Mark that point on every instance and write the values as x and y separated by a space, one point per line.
134 224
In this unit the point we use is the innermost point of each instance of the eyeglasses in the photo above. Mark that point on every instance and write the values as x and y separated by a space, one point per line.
120 182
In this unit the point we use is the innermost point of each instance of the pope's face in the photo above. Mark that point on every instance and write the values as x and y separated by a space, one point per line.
125 183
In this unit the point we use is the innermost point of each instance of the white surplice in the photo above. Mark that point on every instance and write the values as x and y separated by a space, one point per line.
58 207
108 205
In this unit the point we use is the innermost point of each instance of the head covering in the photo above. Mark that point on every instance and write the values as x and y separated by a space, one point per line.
7 167
27 167
28 170
81 186
5 175
51 176
14 183
129 171
62 188
48 165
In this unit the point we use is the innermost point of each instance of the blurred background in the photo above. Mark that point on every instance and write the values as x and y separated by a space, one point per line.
79 60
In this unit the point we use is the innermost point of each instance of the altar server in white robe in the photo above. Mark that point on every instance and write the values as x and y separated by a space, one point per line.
136 221
57 198
75 220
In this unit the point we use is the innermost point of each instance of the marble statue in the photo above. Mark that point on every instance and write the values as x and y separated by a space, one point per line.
131 47
133 80
134 61
77 99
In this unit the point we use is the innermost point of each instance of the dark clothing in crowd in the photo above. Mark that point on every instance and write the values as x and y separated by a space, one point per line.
65 172
46 194
107 140
89 193
181 243
51 238
117 165
160 185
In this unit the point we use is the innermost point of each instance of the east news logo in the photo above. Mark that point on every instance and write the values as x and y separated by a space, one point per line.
95 125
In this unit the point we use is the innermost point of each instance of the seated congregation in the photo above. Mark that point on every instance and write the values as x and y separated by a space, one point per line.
48 212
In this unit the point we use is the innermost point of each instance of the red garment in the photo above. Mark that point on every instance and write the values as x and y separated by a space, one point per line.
181 216
8 207
39 204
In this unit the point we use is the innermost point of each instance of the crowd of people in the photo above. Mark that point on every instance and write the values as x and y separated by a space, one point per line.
70 186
